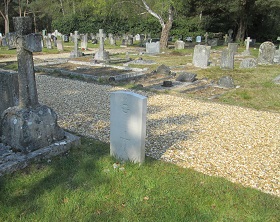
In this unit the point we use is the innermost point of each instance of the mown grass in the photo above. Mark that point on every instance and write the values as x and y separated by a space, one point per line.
84 186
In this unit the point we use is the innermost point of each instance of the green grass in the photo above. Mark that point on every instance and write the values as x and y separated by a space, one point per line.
83 186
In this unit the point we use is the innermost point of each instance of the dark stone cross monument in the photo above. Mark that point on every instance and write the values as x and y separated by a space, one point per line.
30 125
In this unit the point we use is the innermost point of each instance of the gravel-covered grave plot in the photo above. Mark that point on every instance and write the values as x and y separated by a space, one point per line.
242 145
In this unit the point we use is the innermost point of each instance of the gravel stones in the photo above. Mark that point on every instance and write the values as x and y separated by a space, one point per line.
239 144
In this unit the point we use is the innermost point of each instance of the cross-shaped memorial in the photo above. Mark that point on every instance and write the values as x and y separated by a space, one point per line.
101 55
30 125
247 50
75 53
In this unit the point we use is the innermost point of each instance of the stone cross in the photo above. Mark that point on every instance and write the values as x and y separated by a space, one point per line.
226 38
206 37
101 37
26 44
248 40
76 41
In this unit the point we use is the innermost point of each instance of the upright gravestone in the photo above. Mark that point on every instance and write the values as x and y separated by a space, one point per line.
112 39
84 41
233 47
230 32
198 39
266 53
225 39
247 50
124 40
48 42
75 53
8 91
179 44
128 113
153 47
30 125
201 56
11 40
101 55
227 59
59 45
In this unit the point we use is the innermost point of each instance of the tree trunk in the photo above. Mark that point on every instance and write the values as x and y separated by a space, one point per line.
7 24
240 36
165 34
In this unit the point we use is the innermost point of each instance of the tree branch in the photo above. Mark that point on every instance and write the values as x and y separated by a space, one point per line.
154 14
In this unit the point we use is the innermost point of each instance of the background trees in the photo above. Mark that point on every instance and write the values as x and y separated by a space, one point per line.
180 18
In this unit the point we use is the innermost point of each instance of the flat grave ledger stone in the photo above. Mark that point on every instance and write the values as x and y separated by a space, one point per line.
201 56
227 59
153 48
248 63
266 53
128 113
30 125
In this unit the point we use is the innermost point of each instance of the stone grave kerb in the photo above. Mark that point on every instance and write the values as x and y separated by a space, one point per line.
28 126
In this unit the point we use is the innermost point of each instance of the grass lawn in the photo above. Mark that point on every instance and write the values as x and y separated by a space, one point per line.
84 186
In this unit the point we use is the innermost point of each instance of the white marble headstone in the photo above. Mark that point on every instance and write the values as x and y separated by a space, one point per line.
201 56
153 47
128 113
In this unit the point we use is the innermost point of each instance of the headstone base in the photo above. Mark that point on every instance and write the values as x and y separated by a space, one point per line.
74 54
101 56
31 128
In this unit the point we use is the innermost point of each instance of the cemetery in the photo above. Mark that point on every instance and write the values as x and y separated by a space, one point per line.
107 125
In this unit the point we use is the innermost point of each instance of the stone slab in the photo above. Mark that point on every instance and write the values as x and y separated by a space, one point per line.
11 162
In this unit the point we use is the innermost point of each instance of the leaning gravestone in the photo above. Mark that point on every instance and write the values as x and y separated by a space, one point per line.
128 112
153 48
30 125
201 56
266 53
186 77
227 59
248 63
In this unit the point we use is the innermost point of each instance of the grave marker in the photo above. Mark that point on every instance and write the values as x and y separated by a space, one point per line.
153 47
128 112
75 53
28 126
227 59
266 53
247 50
101 55
201 56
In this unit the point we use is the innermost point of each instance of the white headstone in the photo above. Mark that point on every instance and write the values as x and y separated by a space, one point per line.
179 44
59 45
201 56
128 113
153 47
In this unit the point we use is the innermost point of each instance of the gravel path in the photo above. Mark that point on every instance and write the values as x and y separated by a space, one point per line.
242 145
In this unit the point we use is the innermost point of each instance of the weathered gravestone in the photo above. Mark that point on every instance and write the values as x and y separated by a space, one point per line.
101 55
48 42
153 47
179 44
112 39
226 82
186 77
30 125
84 41
233 47
201 56
4 41
276 58
266 53
227 59
8 91
59 45
248 63
128 113
75 53
11 40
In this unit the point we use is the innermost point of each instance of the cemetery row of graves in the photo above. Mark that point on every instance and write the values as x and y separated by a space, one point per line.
134 124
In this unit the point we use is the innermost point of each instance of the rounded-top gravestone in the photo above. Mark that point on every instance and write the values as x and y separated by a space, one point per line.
266 53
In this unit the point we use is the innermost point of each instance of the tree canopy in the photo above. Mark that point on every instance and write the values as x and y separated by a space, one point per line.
255 18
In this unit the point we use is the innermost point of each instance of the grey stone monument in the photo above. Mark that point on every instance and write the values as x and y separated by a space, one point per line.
266 53
179 44
30 125
75 53
227 59
101 55
201 56
128 113
84 41
153 47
